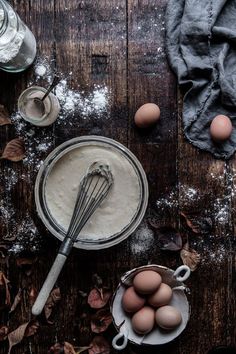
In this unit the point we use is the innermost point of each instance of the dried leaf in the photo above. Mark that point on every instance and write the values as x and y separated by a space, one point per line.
4 257
65 348
169 239
4 116
26 330
4 330
190 257
81 349
197 223
14 150
97 281
4 285
98 299
99 345
154 219
32 295
53 298
21 261
101 321
16 301
26 263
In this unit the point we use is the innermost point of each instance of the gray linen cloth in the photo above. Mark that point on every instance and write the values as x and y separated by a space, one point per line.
201 48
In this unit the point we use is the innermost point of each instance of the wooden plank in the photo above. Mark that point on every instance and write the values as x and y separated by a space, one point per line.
150 80
91 43
38 15
203 188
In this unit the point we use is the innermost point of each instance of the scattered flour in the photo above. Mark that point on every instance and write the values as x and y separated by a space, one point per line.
27 237
142 240
94 103
40 70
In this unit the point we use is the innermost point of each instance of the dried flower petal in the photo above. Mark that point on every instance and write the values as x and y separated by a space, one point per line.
190 257
81 349
97 281
169 239
14 150
98 299
32 295
4 330
99 345
16 301
65 348
53 298
26 330
4 286
26 263
198 224
4 116
101 321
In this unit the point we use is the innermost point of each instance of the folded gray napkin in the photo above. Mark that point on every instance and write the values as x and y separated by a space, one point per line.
201 48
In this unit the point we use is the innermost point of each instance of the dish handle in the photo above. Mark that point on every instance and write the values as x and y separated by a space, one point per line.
117 338
182 269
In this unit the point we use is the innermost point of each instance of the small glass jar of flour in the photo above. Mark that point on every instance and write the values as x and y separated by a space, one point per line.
30 111
17 42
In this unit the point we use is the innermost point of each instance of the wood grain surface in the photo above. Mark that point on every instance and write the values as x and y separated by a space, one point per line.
119 44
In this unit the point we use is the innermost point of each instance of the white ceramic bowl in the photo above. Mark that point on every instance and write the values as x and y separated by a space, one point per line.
157 336
59 152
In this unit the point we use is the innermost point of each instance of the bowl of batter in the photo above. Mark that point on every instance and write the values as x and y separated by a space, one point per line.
57 184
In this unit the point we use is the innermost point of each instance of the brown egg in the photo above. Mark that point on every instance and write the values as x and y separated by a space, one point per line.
168 317
143 320
131 301
147 282
147 115
161 297
221 128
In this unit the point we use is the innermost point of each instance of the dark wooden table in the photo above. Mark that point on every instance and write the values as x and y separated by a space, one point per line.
120 44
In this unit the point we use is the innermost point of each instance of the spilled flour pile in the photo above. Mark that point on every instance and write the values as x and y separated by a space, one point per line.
93 104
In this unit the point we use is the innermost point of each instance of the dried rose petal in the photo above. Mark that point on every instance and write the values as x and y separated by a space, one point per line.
97 281
81 349
98 299
16 301
25 330
4 116
101 321
14 150
197 223
99 345
32 295
65 348
53 298
4 330
190 257
4 285
169 239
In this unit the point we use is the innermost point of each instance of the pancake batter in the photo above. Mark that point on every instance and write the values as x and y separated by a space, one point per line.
118 209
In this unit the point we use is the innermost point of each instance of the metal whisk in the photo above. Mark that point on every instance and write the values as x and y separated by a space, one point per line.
93 189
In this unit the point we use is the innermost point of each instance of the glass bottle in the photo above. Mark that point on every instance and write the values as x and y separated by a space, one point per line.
30 112
17 42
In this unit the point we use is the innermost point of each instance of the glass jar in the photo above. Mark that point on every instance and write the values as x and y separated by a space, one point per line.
29 110
17 42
